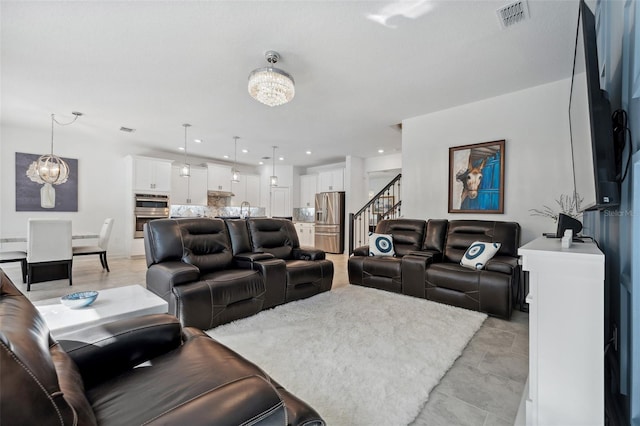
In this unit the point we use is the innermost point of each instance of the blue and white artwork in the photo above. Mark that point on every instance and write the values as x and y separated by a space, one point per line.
476 181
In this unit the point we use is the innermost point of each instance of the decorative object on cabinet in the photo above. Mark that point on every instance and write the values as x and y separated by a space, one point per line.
185 170
34 194
273 180
476 178
235 175
568 204
269 85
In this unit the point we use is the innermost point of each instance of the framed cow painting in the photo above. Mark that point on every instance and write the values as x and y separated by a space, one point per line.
476 178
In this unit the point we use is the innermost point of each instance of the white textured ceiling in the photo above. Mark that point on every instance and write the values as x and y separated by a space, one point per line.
153 65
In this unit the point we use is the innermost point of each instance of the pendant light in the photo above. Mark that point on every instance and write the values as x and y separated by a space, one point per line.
273 180
185 170
51 168
235 174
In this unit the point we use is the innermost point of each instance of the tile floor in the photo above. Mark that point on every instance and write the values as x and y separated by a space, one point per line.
484 386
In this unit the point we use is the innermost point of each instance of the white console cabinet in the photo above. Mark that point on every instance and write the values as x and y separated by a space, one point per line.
566 333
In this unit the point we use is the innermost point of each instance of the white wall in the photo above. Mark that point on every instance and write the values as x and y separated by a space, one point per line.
534 123
383 162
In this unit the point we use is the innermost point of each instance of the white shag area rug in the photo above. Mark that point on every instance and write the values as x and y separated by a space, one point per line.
359 356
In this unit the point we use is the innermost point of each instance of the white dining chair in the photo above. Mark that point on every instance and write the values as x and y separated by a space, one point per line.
48 244
101 248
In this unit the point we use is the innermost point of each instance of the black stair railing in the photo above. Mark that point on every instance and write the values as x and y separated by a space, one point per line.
386 204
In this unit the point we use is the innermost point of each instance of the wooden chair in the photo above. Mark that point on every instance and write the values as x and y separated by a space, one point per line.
16 256
48 245
101 248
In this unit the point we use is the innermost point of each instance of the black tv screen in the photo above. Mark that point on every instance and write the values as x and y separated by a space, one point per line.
590 123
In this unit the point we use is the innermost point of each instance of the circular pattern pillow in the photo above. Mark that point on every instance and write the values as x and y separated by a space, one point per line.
381 245
478 254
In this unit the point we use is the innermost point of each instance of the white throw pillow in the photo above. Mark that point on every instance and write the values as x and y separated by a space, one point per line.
381 245
478 254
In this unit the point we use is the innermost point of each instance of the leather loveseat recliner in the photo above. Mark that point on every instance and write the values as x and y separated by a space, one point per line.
189 379
190 264
307 271
433 271
212 272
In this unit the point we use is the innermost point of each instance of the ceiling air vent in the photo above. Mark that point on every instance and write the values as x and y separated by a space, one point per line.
127 129
512 13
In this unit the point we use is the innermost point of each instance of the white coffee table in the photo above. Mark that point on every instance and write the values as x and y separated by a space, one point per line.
112 304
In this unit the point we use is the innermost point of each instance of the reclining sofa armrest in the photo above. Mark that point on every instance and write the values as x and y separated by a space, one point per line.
162 277
260 403
307 253
246 260
361 251
104 351
413 268
504 264
434 255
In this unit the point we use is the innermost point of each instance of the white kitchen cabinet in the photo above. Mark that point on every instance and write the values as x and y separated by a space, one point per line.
308 190
281 201
331 180
191 190
566 333
151 174
306 233
219 177
247 189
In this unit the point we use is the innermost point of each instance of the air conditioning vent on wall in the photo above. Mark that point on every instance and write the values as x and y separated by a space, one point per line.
513 13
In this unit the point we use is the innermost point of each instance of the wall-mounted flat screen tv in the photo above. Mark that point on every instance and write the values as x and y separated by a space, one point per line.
590 123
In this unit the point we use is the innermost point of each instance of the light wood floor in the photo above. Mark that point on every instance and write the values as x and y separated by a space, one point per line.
483 387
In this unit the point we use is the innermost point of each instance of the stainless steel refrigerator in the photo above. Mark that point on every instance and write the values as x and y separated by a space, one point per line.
330 222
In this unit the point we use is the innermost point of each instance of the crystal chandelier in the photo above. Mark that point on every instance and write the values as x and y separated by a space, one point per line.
269 85
185 170
51 168
235 174
273 180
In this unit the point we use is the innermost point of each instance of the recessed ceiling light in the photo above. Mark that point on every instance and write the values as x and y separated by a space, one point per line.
225 156
308 152
197 140
181 148
380 151
244 151
281 158
261 162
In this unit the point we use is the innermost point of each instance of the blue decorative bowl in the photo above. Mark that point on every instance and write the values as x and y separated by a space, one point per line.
79 299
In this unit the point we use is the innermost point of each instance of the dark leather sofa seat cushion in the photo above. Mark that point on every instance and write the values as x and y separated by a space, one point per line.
485 291
177 377
220 297
207 244
382 266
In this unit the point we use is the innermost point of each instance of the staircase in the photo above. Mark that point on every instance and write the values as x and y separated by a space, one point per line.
384 205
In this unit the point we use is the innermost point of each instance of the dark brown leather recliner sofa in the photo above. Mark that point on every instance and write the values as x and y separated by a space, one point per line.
427 263
212 271
190 379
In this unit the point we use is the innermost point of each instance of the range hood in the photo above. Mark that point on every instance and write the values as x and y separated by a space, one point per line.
220 194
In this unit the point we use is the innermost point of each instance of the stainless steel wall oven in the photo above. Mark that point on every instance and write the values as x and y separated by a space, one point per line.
149 207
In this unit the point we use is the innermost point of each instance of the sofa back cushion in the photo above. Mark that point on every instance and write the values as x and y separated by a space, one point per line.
162 241
29 384
206 243
436 235
239 234
408 234
275 236
462 233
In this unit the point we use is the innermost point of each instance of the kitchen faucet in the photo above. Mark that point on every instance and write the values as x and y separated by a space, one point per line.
242 206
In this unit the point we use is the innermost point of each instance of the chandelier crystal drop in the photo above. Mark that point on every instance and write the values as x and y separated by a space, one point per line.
269 85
